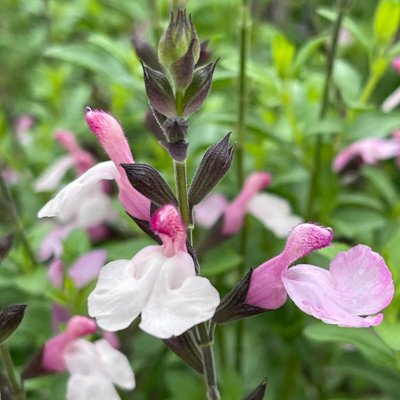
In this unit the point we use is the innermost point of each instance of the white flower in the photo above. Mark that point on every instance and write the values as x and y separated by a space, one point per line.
95 368
159 283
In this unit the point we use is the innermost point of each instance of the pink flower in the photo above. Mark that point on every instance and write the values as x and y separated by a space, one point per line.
396 64
53 350
112 139
55 273
95 368
159 282
86 268
357 284
272 211
51 245
83 160
370 150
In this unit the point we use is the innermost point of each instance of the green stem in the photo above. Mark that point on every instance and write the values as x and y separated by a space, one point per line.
313 188
242 92
16 217
208 362
16 390
205 342
241 129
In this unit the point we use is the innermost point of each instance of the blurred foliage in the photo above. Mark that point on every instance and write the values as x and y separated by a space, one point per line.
59 56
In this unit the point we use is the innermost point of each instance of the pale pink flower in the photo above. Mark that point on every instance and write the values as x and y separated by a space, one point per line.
392 101
21 125
83 160
94 369
53 349
357 284
111 137
369 150
271 210
159 282
396 64
86 268
52 245
55 273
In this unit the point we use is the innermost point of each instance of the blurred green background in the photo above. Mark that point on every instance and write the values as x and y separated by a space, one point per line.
58 56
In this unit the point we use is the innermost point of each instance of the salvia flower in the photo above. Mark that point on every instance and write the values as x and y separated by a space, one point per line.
94 369
159 283
396 64
273 211
84 196
53 350
369 151
356 287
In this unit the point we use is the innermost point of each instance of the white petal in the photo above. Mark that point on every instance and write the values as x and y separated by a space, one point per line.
274 212
179 299
90 387
80 358
95 208
53 175
123 289
115 365
68 200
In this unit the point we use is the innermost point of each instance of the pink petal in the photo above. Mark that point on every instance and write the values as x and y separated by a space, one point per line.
370 150
53 350
98 233
111 137
313 290
207 212
396 64
51 245
235 212
167 223
86 268
266 289
59 315
363 280
55 273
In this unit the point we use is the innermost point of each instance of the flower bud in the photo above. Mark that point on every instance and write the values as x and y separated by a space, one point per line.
175 130
179 48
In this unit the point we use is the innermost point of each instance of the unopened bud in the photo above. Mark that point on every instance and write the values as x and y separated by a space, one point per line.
179 48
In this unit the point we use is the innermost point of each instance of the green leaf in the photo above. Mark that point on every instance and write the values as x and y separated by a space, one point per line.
382 183
389 332
356 30
335 248
386 21
306 51
374 123
94 59
220 260
282 55
347 80
360 199
363 339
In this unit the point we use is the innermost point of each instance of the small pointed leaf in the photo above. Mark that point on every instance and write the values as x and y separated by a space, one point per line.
258 393
10 318
159 91
213 167
198 90
150 183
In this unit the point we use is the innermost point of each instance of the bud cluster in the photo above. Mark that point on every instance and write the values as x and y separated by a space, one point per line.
178 83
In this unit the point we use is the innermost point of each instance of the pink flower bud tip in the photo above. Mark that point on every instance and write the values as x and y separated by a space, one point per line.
110 135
